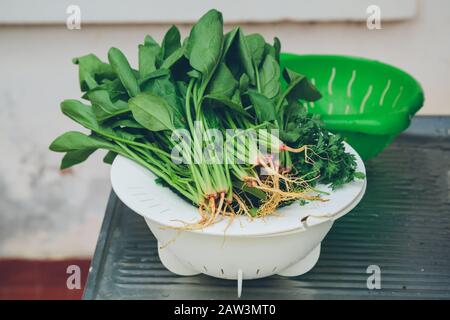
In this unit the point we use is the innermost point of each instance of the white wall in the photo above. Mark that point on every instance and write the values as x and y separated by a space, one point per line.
44 213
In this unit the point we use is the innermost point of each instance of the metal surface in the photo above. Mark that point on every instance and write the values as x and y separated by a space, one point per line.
402 226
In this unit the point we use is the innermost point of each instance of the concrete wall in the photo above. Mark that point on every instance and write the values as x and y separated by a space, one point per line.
44 213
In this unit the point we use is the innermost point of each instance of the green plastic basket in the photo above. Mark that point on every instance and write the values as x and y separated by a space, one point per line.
366 101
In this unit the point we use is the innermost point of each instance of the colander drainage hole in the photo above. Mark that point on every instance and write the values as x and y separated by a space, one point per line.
257 271
221 270
206 269
274 268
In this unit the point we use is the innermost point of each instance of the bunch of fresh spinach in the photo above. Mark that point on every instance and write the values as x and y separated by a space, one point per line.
219 81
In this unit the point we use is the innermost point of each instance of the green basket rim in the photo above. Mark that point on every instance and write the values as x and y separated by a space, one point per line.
417 100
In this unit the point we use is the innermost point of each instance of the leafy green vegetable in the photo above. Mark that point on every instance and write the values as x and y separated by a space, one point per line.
72 141
256 48
92 71
152 112
269 76
103 107
148 53
171 42
264 108
299 87
223 83
205 42
245 56
210 80
72 158
121 67
80 113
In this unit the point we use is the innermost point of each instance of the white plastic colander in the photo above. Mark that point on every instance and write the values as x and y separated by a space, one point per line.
287 243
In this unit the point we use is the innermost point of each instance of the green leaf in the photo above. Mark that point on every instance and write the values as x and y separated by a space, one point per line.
194 74
80 113
114 87
171 42
245 57
204 47
152 112
277 47
103 107
127 123
126 133
225 101
155 74
269 77
261 195
236 98
122 68
91 71
244 83
264 108
109 157
165 88
293 111
148 53
72 158
229 39
256 47
73 140
171 60
299 87
223 83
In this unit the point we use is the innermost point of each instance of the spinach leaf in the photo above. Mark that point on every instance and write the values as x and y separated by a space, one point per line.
79 147
253 191
277 47
103 107
256 47
148 41
91 71
204 47
114 87
73 140
165 88
269 77
152 112
244 83
171 42
225 101
128 134
109 157
229 39
299 87
155 74
80 113
290 132
72 158
264 108
148 53
175 57
127 123
223 83
122 68
245 57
